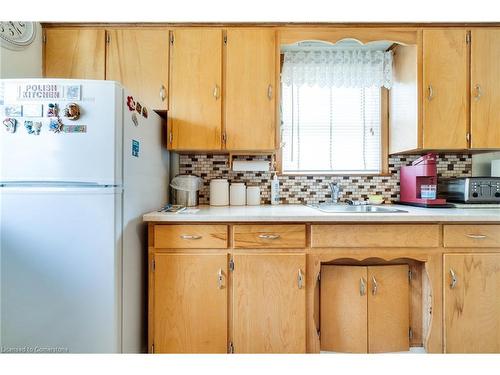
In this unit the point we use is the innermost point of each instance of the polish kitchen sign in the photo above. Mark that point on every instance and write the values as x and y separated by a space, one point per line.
47 91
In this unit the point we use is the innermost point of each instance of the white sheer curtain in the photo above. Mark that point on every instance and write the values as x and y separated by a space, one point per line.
338 68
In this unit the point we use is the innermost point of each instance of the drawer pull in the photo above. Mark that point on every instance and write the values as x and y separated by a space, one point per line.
476 236
374 285
190 237
362 287
300 279
220 278
453 282
269 236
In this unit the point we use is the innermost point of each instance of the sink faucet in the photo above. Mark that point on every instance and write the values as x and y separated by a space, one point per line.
335 188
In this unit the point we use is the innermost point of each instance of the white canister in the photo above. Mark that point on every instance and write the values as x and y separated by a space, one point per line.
219 192
253 195
237 194
495 168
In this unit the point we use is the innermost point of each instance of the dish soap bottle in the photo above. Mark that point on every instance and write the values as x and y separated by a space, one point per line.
275 190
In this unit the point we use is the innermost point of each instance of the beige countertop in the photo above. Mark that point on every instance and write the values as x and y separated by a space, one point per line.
302 213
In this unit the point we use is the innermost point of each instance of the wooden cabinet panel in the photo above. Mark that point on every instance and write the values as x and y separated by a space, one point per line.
74 53
471 235
250 89
195 89
269 236
269 312
190 306
190 236
344 309
388 309
472 303
445 102
485 88
375 235
138 58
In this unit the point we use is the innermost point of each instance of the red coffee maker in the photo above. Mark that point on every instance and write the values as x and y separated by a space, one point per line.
422 172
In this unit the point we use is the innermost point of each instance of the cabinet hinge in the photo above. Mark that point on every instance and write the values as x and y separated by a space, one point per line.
318 332
108 38
319 276
153 265
230 349
410 275
224 137
170 137
171 38
410 333
231 264
225 40
467 37
467 137
44 38
152 348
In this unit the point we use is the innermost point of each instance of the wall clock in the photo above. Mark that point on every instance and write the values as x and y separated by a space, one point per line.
17 34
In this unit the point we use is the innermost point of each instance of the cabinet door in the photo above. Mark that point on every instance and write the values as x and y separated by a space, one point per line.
190 303
445 71
388 309
249 89
269 311
472 303
485 86
344 309
74 53
138 58
195 89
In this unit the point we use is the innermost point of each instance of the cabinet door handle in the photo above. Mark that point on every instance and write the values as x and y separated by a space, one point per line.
190 237
374 285
362 286
431 92
216 92
300 279
477 236
269 236
270 91
220 278
163 92
453 282
479 93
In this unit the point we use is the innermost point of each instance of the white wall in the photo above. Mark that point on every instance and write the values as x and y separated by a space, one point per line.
26 63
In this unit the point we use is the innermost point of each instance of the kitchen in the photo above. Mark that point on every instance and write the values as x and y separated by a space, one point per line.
251 188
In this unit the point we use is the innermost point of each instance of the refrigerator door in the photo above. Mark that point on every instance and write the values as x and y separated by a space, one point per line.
88 149
60 269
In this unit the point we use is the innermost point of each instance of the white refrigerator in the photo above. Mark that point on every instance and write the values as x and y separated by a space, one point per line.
80 162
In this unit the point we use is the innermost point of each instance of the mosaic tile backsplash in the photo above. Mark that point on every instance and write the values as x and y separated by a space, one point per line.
314 189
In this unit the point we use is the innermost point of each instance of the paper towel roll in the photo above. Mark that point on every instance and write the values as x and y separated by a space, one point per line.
251 165
495 168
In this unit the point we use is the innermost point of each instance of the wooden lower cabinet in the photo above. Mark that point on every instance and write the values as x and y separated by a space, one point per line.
365 309
190 303
472 303
269 303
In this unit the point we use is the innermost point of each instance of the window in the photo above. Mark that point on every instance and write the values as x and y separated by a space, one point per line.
332 111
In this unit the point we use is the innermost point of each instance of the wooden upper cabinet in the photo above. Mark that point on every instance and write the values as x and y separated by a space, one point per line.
74 53
195 93
445 89
472 303
485 88
250 92
138 59
190 303
269 311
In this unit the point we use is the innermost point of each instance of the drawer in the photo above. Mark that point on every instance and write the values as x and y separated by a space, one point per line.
378 235
269 236
190 236
471 235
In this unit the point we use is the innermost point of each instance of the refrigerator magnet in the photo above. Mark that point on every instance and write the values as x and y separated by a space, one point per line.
138 107
135 120
72 111
10 124
52 110
37 127
14 110
29 126
33 110
55 125
130 103
135 148
144 112
73 92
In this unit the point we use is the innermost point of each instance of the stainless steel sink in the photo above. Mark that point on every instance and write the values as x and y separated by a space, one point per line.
343 208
